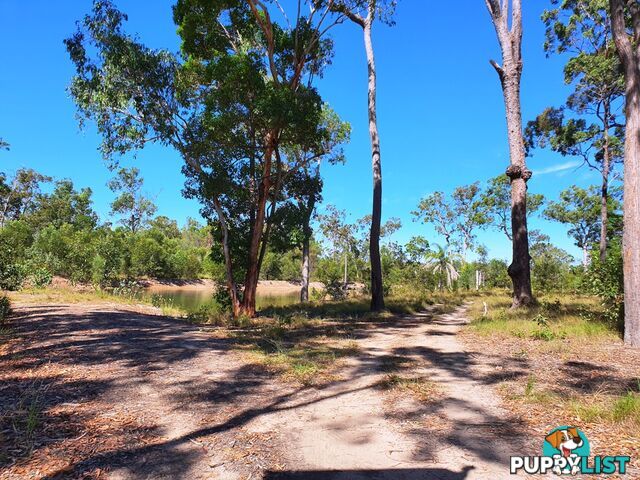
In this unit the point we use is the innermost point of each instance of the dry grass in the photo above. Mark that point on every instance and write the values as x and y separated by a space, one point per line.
65 295
556 364
420 388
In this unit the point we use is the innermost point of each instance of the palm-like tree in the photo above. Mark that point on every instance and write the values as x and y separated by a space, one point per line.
441 263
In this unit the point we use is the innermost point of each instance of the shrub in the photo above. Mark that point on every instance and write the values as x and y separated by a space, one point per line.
211 314
5 308
330 274
127 288
11 276
40 277
606 281
335 289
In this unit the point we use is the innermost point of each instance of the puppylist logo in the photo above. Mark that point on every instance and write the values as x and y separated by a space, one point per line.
565 451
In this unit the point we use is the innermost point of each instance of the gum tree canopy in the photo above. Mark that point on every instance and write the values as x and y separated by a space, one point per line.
237 98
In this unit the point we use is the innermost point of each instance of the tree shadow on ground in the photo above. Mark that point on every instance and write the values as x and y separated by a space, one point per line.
142 349
394 474
134 340
582 377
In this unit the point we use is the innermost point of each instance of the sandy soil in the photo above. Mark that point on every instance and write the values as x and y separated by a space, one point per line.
131 395
353 430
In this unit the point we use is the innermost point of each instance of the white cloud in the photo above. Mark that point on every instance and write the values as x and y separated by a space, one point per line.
561 167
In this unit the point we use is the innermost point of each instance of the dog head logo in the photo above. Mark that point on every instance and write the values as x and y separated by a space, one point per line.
565 440
568 442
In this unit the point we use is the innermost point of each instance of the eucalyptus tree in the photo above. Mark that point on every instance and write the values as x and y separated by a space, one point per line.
579 209
131 204
506 16
340 234
625 27
457 219
19 193
240 91
302 191
470 214
591 123
435 209
496 199
364 13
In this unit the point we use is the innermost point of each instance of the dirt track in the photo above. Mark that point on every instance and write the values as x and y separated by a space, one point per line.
129 395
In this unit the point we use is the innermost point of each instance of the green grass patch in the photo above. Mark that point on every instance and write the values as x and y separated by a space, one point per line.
621 409
555 317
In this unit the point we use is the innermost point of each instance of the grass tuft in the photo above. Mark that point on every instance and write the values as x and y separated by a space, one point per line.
419 387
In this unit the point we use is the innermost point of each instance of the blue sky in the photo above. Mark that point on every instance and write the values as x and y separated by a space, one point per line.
441 111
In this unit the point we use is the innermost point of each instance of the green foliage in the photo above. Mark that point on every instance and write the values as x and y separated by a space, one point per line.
457 219
65 205
580 210
131 205
238 104
11 276
496 200
330 273
59 235
210 314
551 267
607 282
40 277
496 275
590 125
5 308
17 194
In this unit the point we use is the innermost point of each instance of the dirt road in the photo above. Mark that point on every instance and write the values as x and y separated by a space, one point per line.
131 395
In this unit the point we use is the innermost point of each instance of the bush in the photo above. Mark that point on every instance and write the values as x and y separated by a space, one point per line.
11 276
5 308
40 277
211 314
127 288
335 289
606 281
330 274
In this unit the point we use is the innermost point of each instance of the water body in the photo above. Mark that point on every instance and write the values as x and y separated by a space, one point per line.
192 300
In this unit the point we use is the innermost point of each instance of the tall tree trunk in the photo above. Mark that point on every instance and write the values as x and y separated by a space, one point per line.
630 55
510 38
377 293
604 208
306 251
231 284
253 261
585 256
345 281
306 270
